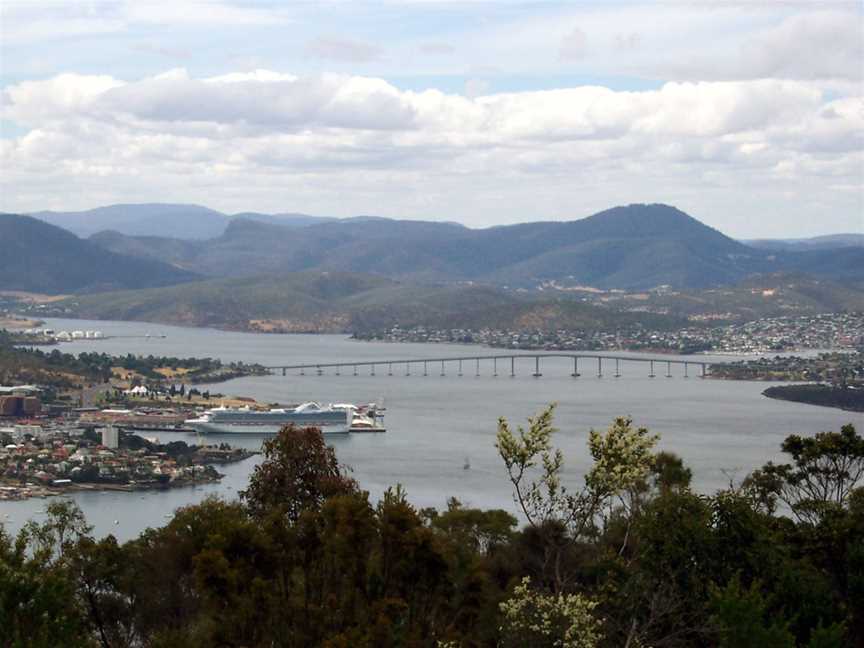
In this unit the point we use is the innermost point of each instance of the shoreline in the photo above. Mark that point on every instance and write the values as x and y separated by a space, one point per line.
810 393
13 492
353 336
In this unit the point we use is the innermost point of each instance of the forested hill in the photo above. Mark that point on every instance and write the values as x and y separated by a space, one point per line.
346 302
630 247
38 257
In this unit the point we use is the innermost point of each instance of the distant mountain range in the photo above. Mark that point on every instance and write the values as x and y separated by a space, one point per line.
631 247
303 273
192 222
828 242
38 257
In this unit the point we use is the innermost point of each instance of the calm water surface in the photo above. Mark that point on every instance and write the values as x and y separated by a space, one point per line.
722 429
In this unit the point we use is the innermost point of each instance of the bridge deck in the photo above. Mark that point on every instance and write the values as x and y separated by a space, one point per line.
495 357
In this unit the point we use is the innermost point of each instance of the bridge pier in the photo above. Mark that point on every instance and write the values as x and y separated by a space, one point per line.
494 367
425 368
651 374
537 373
668 369
575 373
355 370
512 366
442 368
477 373
703 370
319 370
302 372
599 367
617 371
460 369
283 371
338 370
390 369
372 372
686 365
407 368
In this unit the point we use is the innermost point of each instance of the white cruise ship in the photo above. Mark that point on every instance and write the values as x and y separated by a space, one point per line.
244 420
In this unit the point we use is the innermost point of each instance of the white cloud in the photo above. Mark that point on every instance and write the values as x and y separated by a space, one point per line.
817 45
352 144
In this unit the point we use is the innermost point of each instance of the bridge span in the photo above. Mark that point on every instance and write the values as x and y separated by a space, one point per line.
507 363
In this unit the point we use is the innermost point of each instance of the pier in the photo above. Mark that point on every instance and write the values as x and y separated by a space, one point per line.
500 364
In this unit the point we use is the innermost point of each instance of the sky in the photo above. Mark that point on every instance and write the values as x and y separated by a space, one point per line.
748 115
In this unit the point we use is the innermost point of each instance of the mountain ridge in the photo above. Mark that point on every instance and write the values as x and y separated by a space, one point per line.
630 247
39 257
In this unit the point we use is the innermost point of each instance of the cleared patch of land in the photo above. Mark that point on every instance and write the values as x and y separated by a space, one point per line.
13 323
31 297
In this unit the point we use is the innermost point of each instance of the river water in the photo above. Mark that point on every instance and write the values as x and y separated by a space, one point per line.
722 429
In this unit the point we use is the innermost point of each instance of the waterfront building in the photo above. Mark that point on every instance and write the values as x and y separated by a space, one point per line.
110 437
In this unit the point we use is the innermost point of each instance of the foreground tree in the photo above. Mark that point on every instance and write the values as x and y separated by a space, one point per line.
39 602
531 618
622 460
824 471
298 473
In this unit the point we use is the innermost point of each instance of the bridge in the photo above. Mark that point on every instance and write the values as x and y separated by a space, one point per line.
507 363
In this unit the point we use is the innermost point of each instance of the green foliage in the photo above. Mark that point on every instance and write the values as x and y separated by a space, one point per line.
832 636
741 615
531 618
825 469
622 458
669 472
38 603
545 498
299 473
622 461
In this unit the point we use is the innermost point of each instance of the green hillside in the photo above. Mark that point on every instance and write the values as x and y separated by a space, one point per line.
342 302
772 295
38 257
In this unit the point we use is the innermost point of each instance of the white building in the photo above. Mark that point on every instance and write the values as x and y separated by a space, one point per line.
110 437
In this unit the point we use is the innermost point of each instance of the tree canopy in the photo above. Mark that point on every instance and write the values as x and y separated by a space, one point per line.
633 558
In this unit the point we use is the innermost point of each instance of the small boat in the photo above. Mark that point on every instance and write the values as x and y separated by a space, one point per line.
467 464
